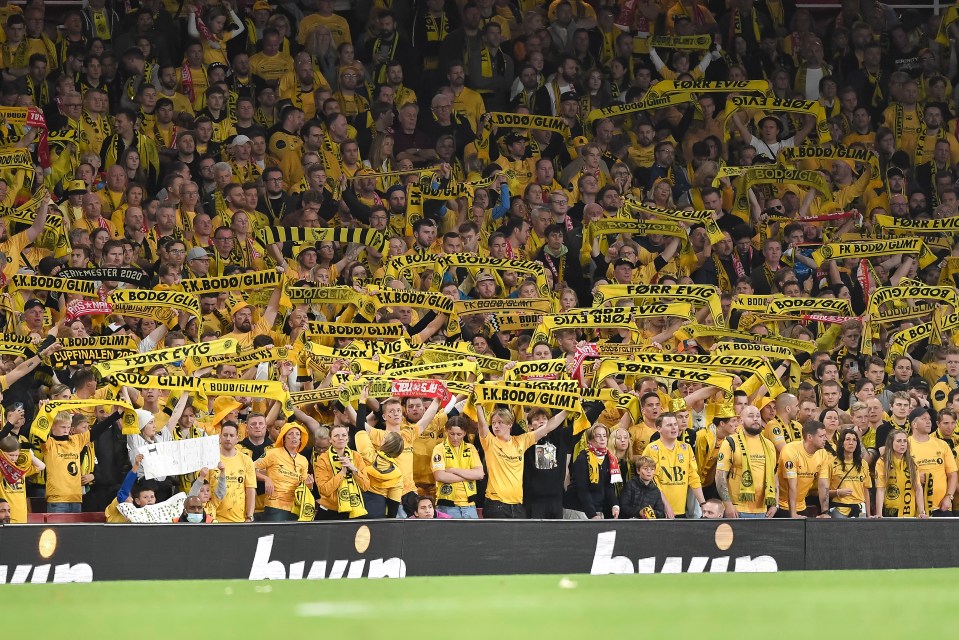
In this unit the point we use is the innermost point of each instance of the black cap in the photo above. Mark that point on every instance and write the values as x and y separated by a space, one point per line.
568 95
30 304
513 137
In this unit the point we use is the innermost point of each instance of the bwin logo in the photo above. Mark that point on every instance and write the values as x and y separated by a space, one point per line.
62 573
604 562
264 568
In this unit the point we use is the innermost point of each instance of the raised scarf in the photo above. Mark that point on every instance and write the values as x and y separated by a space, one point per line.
722 278
349 498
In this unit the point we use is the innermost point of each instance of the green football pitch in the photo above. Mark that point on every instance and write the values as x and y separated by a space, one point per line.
879 604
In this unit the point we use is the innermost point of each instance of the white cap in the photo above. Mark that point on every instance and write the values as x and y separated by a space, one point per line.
240 139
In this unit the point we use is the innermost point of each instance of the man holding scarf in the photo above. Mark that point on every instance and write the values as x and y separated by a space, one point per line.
746 470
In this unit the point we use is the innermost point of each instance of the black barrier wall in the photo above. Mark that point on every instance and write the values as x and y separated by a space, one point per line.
396 549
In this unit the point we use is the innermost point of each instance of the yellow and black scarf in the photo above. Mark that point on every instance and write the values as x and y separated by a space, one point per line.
443 490
349 498
747 484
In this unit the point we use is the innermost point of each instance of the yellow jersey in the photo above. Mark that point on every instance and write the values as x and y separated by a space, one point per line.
240 476
405 460
676 472
62 458
934 459
446 457
806 468
848 477
504 465
286 472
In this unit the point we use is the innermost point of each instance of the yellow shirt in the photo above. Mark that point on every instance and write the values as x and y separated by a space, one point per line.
504 465
286 472
641 435
933 458
338 26
464 456
16 494
899 499
240 476
62 458
707 452
794 462
423 448
470 105
271 68
676 472
731 460
857 480
113 515
777 433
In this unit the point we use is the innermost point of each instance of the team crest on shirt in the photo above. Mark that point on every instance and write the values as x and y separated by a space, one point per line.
679 457
789 464
280 144
437 458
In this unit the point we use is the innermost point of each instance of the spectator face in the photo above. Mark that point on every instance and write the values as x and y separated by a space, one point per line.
424 510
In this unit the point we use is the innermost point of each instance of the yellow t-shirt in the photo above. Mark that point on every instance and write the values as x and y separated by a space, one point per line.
464 456
470 105
62 458
286 472
338 26
113 515
731 460
676 472
504 465
933 458
858 480
16 494
794 462
423 448
271 68
240 476
900 490
641 435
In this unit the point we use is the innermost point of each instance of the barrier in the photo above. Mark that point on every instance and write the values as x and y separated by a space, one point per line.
396 549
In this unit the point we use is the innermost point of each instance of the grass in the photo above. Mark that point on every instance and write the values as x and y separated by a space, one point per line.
877 604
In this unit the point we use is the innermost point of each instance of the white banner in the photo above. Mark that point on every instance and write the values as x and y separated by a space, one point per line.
162 512
177 457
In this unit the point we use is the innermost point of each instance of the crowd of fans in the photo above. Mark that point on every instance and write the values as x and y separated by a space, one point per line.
481 150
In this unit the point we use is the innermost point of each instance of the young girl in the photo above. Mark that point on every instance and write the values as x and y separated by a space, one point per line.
897 481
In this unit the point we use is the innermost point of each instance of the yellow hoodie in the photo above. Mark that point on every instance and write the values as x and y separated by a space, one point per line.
285 471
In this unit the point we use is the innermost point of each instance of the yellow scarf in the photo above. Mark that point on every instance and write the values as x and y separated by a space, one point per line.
304 506
349 498
747 485
722 278
594 462
486 63
100 26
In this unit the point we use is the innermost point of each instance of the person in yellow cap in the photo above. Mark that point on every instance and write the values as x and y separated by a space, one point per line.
246 326
72 206
708 440
281 470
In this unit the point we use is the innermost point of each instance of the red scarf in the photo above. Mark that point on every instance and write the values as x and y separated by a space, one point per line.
614 474
11 473
188 81
201 27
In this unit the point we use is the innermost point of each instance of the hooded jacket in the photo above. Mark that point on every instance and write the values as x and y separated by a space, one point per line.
284 470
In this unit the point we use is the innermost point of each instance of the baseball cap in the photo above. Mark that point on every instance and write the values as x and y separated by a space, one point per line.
512 137
262 5
30 304
75 188
240 139
197 253
484 275
568 95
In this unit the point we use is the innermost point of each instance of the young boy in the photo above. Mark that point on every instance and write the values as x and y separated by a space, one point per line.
641 498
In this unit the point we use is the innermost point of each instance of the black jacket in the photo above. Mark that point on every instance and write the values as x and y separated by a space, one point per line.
583 495
637 495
